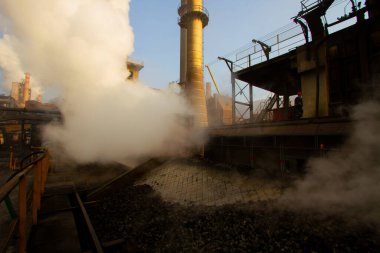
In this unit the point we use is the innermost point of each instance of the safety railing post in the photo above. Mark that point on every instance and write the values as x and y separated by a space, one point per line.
22 214
12 162
41 175
45 171
37 188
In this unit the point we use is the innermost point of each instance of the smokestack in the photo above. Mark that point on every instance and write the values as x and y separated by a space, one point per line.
39 98
208 90
26 88
183 53
193 18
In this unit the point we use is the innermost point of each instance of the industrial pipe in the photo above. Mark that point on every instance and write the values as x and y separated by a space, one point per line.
194 18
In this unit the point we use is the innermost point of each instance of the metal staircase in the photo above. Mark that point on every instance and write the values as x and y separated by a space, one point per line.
265 108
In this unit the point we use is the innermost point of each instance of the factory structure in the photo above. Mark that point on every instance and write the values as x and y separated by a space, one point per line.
314 79
20 94
328 72
21 97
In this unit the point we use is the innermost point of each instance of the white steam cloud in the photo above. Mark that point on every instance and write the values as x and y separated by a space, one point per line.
9 63
347 181
82 47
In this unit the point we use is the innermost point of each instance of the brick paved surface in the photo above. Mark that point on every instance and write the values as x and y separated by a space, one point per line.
201 183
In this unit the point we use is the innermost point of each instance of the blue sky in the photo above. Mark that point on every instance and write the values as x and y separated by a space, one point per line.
233 23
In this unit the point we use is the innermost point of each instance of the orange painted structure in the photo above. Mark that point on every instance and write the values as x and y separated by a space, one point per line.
21 92
39 167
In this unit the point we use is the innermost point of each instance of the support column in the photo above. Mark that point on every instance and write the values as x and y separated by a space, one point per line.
233 84
250 103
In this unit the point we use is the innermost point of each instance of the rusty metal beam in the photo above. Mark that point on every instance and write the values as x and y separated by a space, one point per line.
91 230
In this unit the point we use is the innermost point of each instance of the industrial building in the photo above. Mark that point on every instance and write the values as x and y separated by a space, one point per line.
7 101
221 203
332 71
21 92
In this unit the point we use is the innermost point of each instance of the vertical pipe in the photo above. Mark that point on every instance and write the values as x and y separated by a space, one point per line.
250 103
183 52
233 83
183 61
194 88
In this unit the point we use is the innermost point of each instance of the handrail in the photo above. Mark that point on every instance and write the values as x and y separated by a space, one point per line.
291 37
28 156
40 168
313 4
184 11
22 167
12 183
187 8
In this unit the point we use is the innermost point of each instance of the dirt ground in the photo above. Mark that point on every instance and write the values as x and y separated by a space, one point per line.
149 224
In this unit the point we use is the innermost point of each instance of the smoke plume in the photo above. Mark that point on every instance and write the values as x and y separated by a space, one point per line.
346 181
81 47
9 63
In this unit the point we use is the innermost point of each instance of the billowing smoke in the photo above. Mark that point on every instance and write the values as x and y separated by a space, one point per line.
346 181
81 47
9 63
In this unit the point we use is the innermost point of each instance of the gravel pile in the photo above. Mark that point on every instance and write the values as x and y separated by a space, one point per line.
147 223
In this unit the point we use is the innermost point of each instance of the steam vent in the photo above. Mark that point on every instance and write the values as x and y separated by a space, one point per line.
193 18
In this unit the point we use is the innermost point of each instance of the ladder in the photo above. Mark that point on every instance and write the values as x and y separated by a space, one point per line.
265 109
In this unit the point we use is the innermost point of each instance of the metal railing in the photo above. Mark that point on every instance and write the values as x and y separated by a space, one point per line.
40 168
306 5
280 43
184 10
187 8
